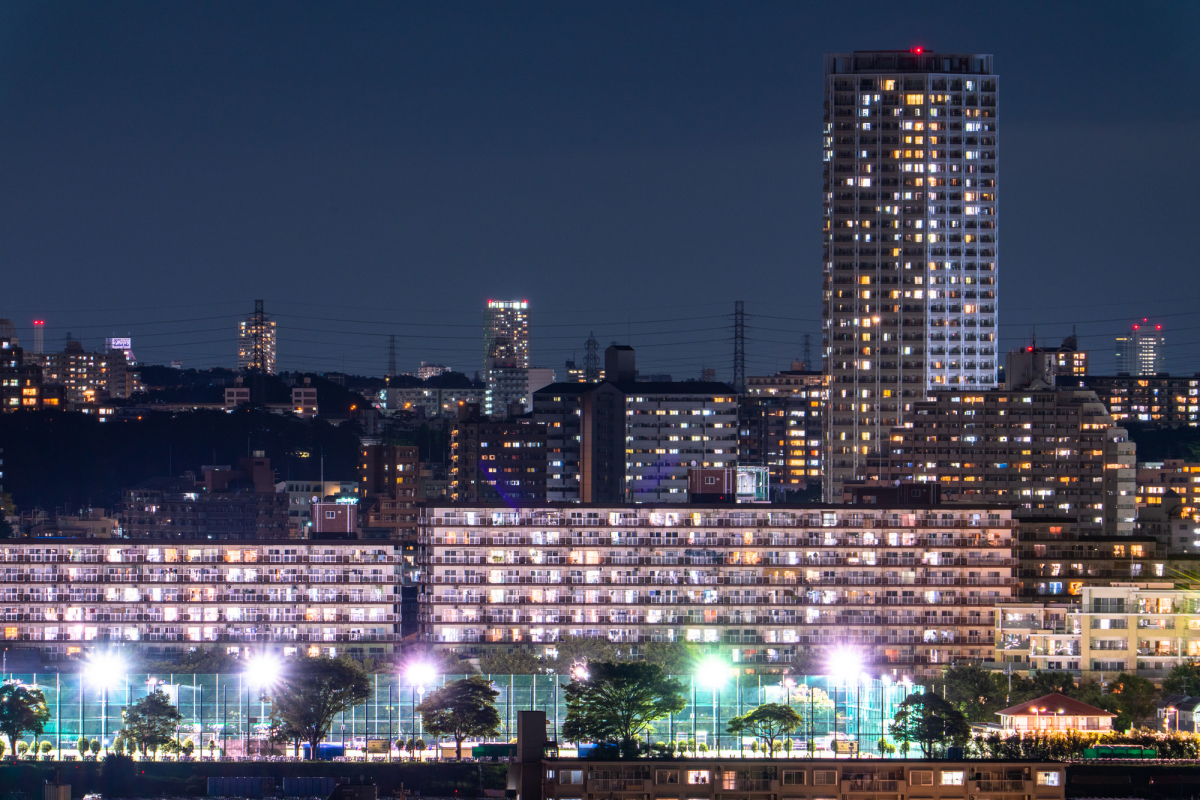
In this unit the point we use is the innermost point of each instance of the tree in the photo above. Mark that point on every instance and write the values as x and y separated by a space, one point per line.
518 663
930 721
767 722
466 707
618 702
314 690
584 649
977 692
1136 699
1183 679
151 721
676 658
22 710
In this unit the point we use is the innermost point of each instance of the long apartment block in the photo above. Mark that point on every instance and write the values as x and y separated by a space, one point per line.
912 588
71 596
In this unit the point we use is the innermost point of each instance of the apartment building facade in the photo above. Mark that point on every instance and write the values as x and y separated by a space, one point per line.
780 423
1143 628
179 508
1057 558
1047 451
1158 400
68 597
497 460
911 237
912 588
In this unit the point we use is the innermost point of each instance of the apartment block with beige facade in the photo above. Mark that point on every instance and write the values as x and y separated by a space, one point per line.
1143 628
68 597
912 588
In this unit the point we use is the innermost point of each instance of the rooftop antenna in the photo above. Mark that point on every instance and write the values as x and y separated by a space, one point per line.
808 351
391 357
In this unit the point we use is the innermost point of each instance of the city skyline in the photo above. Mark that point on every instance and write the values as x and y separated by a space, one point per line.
612 187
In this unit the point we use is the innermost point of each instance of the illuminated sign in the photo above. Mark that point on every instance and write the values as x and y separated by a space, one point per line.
753 485
120 344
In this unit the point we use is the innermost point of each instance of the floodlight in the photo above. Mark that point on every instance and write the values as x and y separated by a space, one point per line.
105 670
845 663
579 672
262 671
421 673
712 672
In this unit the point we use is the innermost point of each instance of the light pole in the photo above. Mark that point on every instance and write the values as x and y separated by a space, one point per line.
105 671
845 664
261 673
884 683
712 673
1167 719
419 674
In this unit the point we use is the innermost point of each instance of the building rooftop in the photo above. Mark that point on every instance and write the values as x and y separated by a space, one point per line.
1052 704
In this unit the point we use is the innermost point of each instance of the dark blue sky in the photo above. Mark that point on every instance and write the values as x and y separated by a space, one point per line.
374 169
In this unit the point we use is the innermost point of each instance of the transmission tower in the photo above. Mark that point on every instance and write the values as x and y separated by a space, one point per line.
258 359
591 360
807 351
391 373
739 346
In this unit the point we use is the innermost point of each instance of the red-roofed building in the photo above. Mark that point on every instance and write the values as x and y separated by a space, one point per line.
1055 712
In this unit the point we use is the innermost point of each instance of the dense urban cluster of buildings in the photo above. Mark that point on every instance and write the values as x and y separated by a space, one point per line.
924 498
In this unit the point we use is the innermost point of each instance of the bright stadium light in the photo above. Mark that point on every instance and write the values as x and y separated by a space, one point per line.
845 664
105 670
712 672
421 674
262 671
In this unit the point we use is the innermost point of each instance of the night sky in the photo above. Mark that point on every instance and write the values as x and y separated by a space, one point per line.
629 168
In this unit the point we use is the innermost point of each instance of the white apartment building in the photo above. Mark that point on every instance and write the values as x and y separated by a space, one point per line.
1139 628
911 232
70 596
671 428
912 589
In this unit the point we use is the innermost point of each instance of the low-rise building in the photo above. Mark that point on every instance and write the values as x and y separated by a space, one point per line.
1055 712
69 597
913 589
1164 401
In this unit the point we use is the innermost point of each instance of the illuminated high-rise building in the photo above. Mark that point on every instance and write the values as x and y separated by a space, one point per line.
247 358
505 355
911 242
1140 352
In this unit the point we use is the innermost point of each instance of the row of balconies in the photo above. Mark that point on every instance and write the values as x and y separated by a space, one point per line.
676 560
687 619
709 580
158 617
789 600
10 557
911 539
63 577
775 521
221 598
274 636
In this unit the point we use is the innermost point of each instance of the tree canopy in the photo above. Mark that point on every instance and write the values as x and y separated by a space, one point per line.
314 690
617 702
22 710
150 722
929 721
1183 679
768 722
463 708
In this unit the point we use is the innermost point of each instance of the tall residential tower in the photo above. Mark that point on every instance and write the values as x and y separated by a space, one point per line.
910 247
505 355
1140 352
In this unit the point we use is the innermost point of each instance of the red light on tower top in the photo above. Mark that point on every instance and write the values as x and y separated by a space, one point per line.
918 50
1135 327
1158 327
39 322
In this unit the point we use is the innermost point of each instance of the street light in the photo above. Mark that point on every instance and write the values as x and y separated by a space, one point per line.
104 670
1167 720
419 674
712 673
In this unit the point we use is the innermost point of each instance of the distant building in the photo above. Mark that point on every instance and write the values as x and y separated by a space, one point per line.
1140 352
780 420
1055 712
302 494
304 400
494 460
624 440
237 395
179 508
536 378
429 370
87 378
21 380
505 355
247 329
1043 450
388 485
1159 401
